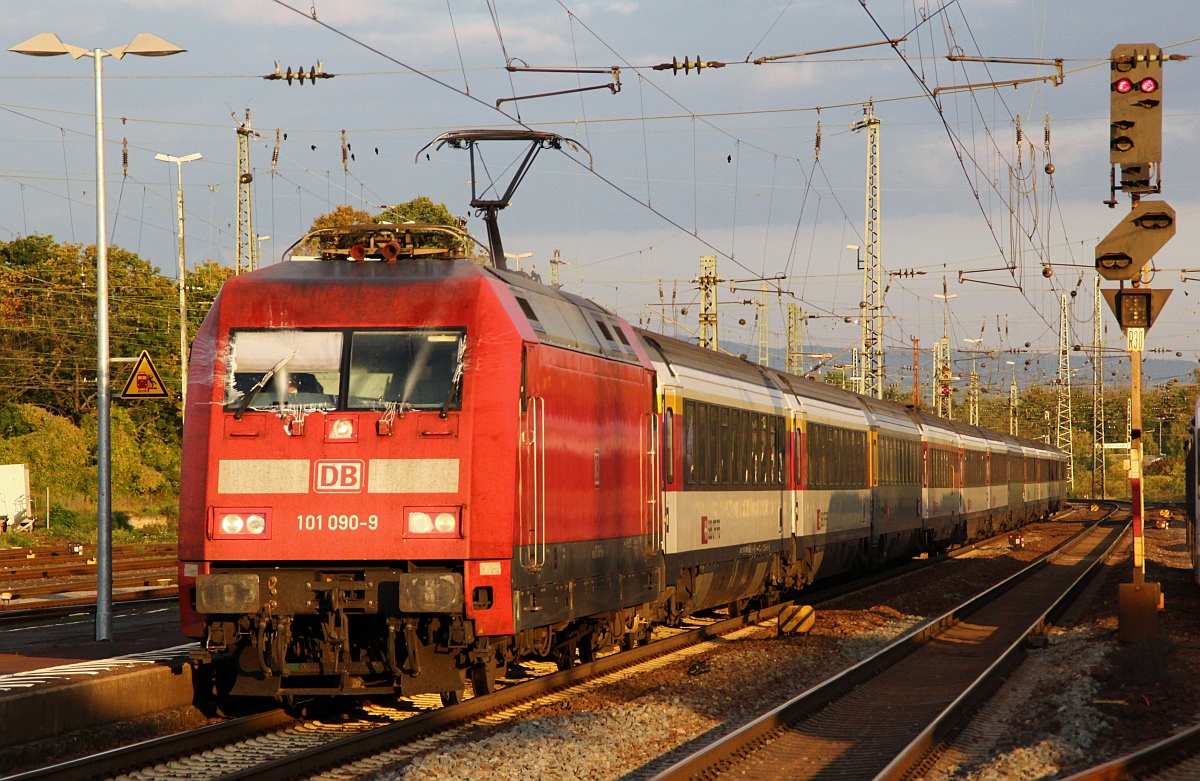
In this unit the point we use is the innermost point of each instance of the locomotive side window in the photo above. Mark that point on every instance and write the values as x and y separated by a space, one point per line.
415 368
272 369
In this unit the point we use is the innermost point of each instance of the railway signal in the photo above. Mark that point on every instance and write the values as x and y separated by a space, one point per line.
1135 145
1135 135
1136 307
1128 247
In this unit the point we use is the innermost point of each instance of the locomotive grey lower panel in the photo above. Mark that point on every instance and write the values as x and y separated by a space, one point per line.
579 579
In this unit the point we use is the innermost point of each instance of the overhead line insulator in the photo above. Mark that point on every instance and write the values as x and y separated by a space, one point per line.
687 65
315 72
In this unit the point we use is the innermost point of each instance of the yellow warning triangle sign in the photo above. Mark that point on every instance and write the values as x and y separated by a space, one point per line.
144 382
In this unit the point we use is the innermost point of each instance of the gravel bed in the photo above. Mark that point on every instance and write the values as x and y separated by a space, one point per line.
639 725
1086 698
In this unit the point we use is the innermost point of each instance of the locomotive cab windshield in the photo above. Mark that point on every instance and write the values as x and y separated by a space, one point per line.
413 368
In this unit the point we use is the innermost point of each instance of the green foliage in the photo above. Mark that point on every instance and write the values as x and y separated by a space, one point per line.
203 283
48 368
341 216
49 311
419 209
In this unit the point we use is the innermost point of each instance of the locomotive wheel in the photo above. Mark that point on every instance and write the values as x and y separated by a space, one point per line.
483 679
564 656
587 653
453 698
637 637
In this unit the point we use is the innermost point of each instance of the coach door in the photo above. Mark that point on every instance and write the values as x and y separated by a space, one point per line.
531 471
650 485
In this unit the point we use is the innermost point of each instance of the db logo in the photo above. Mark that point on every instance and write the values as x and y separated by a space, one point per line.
332 476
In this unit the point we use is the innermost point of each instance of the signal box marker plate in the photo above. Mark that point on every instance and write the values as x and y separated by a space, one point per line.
144 382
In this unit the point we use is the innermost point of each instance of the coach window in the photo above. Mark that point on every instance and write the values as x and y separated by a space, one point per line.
412 369
281 368
668 438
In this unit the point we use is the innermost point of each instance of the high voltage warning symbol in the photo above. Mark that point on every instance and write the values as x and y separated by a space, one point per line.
144 382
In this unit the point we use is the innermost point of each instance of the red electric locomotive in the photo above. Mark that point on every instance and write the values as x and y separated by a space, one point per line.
366 504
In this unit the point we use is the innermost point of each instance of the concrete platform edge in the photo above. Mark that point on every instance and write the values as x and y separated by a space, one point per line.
119 695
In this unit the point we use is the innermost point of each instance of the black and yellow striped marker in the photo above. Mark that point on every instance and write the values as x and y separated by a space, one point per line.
796 619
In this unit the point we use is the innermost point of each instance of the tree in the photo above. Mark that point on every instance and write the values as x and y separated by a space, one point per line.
419 209
203 284
342 215
48 344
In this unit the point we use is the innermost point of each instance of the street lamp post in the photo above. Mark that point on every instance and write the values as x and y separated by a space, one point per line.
145 45
183 356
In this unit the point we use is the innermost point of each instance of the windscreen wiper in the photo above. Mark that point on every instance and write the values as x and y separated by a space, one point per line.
250 394
456 381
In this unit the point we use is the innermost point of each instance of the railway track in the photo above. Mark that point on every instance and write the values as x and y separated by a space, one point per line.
143 571
891 713
1175 759
273 745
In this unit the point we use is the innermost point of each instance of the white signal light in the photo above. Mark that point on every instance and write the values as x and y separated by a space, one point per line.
232 524
419 523
445 523
256 524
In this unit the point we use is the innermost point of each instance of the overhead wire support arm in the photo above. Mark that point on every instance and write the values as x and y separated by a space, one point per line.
1056 78
962 276
614 87
778 57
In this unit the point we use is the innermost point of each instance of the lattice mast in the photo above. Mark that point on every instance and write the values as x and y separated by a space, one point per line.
1063 429
795 339
708 281
764 332
1098 454
1014 406
916 367
246 260
557 261
872 353
973 395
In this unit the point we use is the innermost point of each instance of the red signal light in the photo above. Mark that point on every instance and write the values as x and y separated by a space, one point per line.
1147 85
1124 85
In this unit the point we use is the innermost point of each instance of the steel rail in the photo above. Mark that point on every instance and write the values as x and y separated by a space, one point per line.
127 581
157 750
934 738
348 749
1176 757
86 606
344 750
161 749
66 570
754 734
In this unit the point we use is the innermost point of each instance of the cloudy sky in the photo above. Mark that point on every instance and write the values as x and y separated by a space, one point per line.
720 162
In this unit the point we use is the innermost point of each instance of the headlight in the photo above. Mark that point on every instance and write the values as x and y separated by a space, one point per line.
241 523
341 429
445 523
419 523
